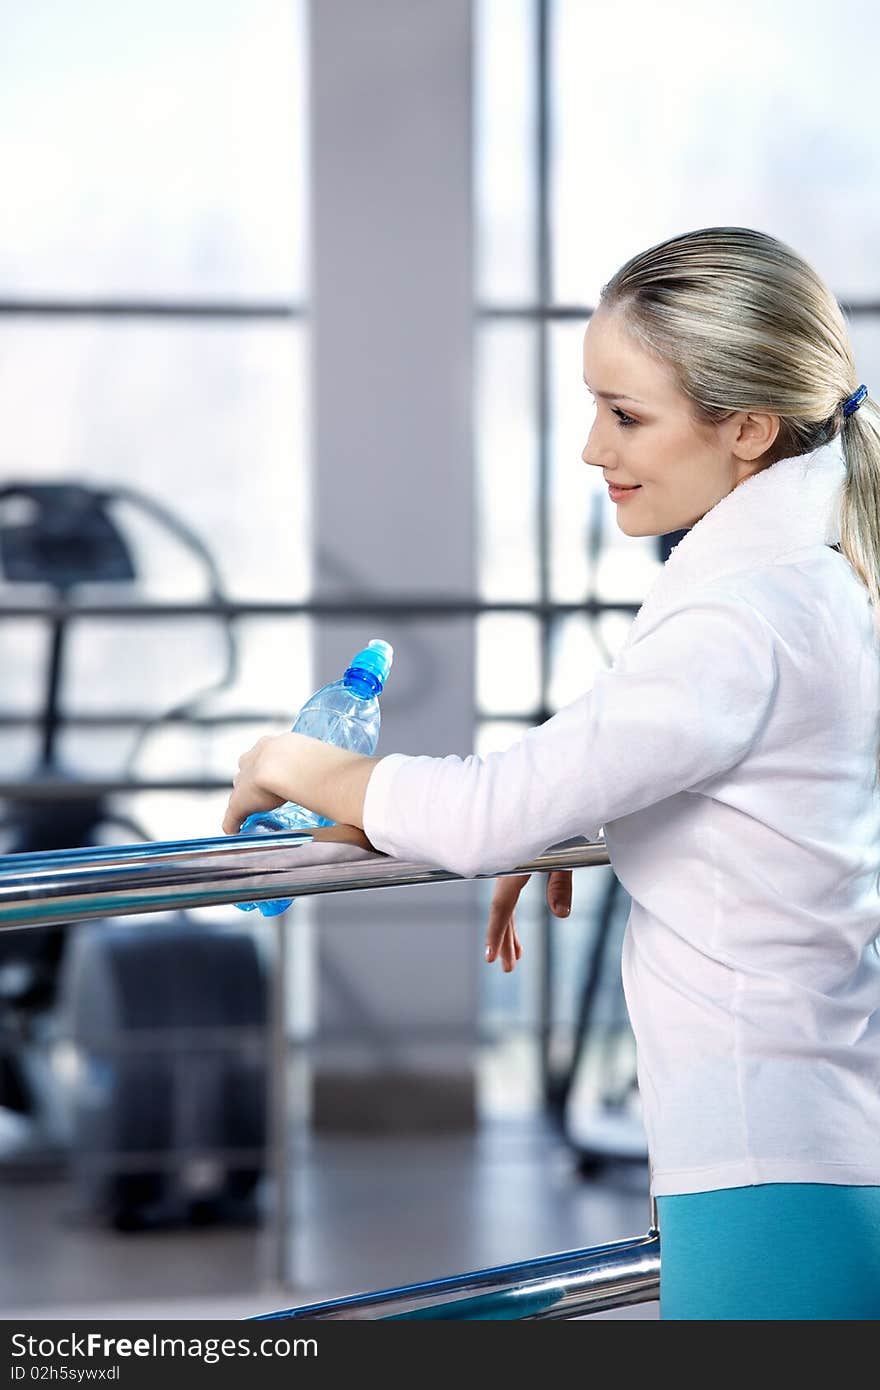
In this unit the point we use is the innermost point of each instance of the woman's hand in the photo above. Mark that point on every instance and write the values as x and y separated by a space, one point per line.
501 937
328 780
249 792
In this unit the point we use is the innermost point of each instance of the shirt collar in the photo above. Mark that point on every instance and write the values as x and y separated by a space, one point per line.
793 503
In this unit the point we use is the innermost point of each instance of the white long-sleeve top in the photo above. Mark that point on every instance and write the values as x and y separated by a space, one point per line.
729 754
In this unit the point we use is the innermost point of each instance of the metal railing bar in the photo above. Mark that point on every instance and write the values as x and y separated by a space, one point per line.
564 1285
81 884
76 885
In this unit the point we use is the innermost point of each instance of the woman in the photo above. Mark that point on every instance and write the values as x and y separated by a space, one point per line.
730 754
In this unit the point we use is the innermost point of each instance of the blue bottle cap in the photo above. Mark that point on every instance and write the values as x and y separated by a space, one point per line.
375 659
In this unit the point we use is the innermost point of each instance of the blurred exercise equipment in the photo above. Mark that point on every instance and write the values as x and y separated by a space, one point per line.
159 1099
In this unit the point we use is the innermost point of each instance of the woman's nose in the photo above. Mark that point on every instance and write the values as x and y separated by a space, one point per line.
595 453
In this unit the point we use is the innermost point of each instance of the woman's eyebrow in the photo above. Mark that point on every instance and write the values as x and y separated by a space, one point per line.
613 395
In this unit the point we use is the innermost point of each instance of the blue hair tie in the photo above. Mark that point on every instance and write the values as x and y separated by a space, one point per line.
853 402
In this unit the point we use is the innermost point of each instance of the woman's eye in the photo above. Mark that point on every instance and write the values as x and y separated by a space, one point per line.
623 419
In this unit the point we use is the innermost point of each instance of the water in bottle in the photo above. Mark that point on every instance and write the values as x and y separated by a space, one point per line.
345 713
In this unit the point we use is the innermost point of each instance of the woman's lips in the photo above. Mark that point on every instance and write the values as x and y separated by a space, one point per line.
617 494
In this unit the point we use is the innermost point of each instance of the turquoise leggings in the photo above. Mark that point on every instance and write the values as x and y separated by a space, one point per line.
798 1250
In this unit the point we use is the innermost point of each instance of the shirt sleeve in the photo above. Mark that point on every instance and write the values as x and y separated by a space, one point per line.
683 703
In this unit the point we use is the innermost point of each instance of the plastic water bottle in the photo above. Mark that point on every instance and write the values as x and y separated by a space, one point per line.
344 713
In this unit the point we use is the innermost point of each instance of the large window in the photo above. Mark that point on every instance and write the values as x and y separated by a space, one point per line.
152 342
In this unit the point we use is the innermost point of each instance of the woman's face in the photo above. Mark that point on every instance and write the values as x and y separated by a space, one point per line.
644 433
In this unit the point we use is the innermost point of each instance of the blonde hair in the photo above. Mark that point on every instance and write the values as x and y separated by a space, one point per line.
747 324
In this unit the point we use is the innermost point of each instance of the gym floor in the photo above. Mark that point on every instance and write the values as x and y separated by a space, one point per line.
367 1212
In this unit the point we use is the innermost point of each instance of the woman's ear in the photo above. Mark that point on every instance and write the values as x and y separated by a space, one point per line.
755 436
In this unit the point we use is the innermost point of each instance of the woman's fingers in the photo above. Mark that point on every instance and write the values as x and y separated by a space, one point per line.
509 949
502 940
501 937
512 949
559 891
508 888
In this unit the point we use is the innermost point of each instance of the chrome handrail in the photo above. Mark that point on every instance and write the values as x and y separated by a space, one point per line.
565 1285
81 884
76 885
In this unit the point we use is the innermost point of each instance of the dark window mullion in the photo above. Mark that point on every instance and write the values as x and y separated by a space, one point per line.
545 294
149 308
